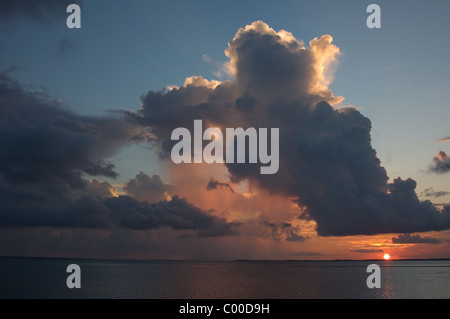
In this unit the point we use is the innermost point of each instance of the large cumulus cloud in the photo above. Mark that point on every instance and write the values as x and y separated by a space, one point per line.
326 159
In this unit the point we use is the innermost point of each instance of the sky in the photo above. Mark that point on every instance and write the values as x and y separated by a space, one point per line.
86 116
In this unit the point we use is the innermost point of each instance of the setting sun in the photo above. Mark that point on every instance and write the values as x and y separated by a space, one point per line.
386 257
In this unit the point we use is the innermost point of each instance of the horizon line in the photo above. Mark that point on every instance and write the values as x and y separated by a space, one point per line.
227 260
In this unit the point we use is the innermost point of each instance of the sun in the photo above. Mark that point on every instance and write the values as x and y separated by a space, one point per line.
386 257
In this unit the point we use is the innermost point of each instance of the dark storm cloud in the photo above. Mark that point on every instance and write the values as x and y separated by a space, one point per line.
44 143
146 188
105 213
101 168
327 161
45 152
214 184
414 239
176 213
37 10
440 163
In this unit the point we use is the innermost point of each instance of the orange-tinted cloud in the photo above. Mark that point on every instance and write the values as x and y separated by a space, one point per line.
440 163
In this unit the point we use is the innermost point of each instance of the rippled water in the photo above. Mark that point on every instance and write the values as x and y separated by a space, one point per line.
46 278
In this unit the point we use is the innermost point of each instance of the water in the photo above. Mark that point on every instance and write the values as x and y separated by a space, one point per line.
46 278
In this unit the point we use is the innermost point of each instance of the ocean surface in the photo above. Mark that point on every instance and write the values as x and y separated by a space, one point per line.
38 278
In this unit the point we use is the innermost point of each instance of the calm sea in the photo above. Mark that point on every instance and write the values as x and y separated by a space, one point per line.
46 278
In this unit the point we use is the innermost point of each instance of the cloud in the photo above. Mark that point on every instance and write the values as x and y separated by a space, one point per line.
206 58
47 152
367 251
176 213
44 143
444 139
66 49
430 192
327 162
40 11
100 189
146 188
284 231
440 163
106 213
414 239
214 184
